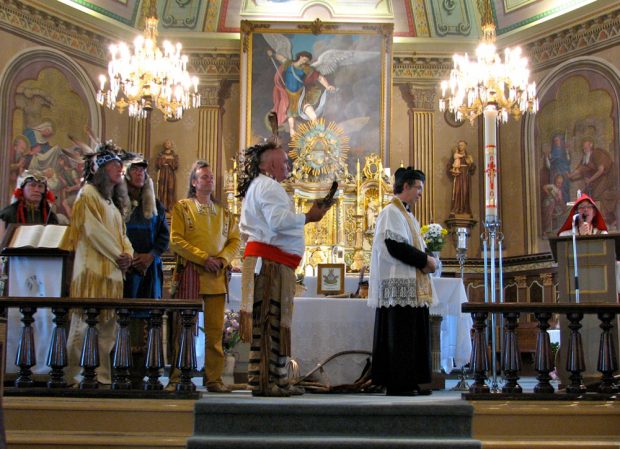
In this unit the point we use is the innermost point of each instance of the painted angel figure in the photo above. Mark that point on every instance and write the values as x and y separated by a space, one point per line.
300 87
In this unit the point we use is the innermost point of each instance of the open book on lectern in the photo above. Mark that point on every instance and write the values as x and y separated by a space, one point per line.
37 236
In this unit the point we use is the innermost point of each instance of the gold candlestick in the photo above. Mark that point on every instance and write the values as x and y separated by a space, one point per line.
380 185
358 197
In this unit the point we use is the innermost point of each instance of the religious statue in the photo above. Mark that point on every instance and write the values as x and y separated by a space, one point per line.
461 168
167 163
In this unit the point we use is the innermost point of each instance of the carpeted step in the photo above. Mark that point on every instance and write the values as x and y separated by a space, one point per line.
305 422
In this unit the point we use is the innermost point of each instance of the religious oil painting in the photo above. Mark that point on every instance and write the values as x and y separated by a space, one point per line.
329 87
330 279
48 120
576 140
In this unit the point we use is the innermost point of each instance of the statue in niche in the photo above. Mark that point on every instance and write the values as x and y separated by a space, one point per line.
372 210
167 163
461 168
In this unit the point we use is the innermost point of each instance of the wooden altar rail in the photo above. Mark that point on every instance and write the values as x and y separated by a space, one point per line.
510 362
122 357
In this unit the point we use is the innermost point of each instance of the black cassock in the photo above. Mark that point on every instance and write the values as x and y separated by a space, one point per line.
401 352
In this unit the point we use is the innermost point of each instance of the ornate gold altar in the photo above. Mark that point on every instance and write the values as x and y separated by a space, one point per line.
345 234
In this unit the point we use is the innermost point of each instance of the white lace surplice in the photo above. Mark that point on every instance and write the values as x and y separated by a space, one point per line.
391 281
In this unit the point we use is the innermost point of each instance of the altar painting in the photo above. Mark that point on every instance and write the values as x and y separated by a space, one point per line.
328 84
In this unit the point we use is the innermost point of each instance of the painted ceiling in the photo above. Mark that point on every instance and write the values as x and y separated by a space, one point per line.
437 19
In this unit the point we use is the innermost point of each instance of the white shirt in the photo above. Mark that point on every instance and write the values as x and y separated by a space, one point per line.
267 216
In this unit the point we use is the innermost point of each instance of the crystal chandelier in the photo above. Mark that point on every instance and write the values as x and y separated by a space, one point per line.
477 83
149 77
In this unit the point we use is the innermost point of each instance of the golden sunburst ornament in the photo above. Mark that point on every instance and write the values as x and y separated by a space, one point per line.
318 151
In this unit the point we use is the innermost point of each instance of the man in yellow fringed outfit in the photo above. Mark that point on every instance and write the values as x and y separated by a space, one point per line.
103 254
205 237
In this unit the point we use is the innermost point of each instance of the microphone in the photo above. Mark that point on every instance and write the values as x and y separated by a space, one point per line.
576 218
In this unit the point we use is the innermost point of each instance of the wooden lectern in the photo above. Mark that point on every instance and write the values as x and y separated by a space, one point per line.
33 270
596 263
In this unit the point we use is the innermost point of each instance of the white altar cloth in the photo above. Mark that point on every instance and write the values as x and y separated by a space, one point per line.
323 326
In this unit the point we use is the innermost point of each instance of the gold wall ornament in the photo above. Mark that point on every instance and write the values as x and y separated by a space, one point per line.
317 26
345 232
319 152
372 166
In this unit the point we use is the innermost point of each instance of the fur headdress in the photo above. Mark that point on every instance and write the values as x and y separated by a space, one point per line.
31 176
147 197
46 202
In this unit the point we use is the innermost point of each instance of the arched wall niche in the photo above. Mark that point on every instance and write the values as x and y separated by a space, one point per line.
578 99
43 89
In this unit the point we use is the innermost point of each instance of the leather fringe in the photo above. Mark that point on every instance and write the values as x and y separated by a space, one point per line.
245 326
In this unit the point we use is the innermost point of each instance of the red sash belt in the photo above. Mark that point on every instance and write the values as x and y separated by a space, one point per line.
270 252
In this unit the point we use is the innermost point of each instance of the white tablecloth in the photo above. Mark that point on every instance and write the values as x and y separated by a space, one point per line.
323 326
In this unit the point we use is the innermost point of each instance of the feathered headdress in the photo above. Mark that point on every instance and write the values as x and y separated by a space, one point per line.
250 160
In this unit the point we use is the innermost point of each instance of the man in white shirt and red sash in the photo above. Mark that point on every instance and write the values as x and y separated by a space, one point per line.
275 244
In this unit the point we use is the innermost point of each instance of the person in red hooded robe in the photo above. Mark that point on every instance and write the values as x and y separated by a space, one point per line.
590 221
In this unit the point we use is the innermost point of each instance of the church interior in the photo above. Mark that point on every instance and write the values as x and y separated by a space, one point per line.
502 186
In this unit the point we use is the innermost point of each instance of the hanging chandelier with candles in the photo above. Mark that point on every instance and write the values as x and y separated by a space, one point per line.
148 77
485 81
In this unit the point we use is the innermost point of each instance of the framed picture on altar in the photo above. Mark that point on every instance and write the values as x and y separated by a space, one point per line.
330 279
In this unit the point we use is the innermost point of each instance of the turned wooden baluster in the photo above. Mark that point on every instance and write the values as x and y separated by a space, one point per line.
122 352
90 351
511 357
26 357
607 359
186 361
544 363
479 354
574 359
57 355
154 360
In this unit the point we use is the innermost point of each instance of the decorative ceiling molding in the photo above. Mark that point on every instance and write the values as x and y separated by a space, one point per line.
407 69
214 65
126 13
49 30
451 18
593 35
182 15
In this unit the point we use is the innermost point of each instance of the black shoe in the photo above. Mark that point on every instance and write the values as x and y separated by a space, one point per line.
424 391
401 393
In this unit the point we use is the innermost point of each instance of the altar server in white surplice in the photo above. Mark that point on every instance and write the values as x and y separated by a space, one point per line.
401 290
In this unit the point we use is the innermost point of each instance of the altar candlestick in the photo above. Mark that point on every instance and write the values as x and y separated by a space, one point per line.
380 173
358 179
235 177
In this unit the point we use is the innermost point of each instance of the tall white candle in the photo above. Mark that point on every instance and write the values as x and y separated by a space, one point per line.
491 200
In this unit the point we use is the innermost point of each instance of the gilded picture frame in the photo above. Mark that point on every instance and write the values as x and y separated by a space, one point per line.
330 279
323 79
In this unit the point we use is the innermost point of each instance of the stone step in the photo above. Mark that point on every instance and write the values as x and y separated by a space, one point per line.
322 442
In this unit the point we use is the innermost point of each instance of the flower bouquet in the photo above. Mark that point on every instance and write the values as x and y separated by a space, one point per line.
230 335
434 236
